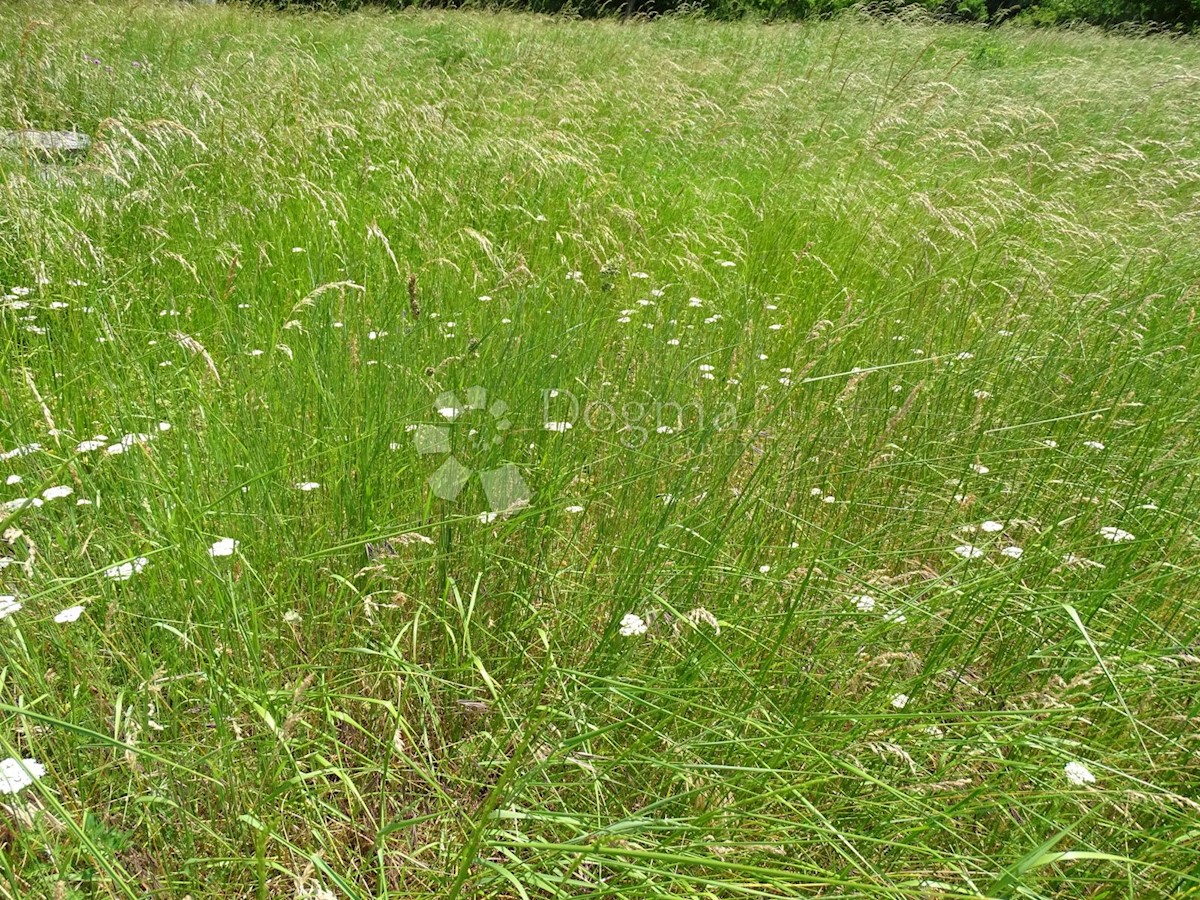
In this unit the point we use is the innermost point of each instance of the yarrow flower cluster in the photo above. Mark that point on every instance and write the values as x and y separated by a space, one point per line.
70 614
632 625
126 570
1078 774
863 602
18 774
223 547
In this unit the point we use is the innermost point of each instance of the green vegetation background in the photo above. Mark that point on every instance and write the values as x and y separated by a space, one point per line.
1175 15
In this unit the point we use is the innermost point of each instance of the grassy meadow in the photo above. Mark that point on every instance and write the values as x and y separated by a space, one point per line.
487 456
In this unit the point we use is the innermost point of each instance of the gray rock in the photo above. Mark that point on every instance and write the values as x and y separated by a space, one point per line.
50 146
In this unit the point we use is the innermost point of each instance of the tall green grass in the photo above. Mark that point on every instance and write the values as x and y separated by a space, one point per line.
943 276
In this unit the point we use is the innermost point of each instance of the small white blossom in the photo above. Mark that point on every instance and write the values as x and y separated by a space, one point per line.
895 616
1114 534
1012 552
54 493
1078 774
979 469
70 614
863 602
573 509
223 547
992 527
126 570
632 625
8 605
764 569
968 551
308 485
13 479
558 426
18 774
900 701
1093 445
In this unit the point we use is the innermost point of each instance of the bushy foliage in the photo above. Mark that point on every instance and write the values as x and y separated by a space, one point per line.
1181 15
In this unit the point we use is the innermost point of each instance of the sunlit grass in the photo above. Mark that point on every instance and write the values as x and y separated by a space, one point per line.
818 302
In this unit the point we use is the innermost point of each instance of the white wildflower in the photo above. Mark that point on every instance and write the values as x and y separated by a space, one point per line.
968 551
992 527
223 547
126 570
58 491
308 485
900 701
8 605
1012 552
70 614
863 602
18 774
1093 445
558 426
1114 534
1078 774
632 625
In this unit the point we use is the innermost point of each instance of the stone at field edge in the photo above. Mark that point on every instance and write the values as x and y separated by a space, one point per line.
48 145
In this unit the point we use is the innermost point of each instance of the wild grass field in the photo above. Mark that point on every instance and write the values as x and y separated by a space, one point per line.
480 455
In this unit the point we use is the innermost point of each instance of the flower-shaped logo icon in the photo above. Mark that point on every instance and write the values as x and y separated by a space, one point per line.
503 485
